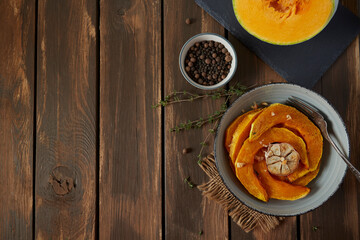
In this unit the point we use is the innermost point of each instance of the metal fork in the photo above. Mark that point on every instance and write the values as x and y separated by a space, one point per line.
322 124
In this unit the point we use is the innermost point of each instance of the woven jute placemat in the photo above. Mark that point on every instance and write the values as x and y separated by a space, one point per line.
247 218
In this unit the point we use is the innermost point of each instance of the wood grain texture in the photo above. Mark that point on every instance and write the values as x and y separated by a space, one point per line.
338 218
17 44
65 184
253 71
187 212
130 130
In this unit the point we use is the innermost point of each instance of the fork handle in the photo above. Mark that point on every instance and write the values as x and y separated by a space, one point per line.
346 160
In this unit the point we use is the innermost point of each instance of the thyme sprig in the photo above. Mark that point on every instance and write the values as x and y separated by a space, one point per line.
204 143
184 96
198 123
315 228
189 182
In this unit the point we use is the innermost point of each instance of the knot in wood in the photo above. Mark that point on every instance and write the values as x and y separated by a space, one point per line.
62 180
121 12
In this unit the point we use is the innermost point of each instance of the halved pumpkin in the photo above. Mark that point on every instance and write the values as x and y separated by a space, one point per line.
241 133
249 149
249 180
303 181
290 117
283 22
231 129
279 189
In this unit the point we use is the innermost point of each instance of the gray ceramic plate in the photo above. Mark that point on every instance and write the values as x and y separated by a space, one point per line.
332 169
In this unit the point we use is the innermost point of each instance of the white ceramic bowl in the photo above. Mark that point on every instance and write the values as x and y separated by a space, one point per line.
332 170
207 37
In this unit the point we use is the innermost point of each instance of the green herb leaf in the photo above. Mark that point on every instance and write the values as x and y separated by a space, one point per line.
188 181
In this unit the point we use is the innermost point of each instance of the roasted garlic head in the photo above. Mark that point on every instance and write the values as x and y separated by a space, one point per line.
281 159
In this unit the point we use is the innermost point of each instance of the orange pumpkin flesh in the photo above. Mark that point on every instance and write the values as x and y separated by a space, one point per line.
298 173
303 181
278 189
283 21
251 132
241 133
231 129
250 181
290 117
249 149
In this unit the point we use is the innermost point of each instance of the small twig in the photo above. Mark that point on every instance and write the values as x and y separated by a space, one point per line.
198 123
189 183
184 96
315 228
203 143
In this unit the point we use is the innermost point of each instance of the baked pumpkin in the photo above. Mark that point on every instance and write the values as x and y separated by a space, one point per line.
283 22
289 137
241 133
278 189
231 129
249 149
303 181
248 178
290 117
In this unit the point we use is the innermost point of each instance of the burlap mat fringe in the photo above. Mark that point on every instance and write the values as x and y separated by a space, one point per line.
243 216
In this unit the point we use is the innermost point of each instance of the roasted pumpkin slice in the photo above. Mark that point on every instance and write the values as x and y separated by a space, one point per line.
303 181
290 117
231 129
248 178
241 133
249 149
298 173
278 189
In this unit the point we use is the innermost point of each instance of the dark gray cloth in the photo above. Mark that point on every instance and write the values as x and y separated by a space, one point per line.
303 63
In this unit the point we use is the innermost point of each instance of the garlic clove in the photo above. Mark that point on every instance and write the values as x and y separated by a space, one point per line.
275 167
276 149
293 156
285 149
272 160
285 170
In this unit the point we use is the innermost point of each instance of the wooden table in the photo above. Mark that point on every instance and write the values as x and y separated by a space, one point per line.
83 154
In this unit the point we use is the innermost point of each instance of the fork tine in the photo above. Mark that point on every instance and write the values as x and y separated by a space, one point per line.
303 107
316 111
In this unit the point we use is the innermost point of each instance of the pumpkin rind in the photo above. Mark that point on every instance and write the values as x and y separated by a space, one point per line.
290 117
250 181
305 180
298 173
278 189
241 133
249 149
231 129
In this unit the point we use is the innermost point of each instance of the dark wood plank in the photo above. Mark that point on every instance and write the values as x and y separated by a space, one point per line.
65 182
130 130
338 218
17 45
187 213
252 71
